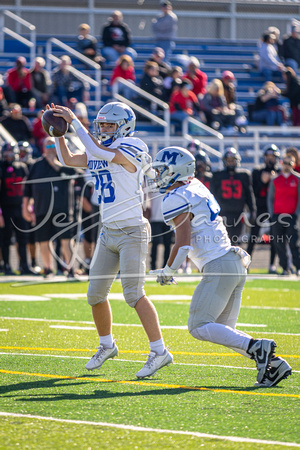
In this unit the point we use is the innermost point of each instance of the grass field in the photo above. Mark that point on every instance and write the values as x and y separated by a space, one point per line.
205 399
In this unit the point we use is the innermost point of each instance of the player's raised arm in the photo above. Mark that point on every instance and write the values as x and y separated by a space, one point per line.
66 157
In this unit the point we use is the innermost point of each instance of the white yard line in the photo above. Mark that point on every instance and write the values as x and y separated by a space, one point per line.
131 361
179 327
153 430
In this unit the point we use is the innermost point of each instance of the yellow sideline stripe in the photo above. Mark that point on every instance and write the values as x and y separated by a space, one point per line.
143 383
140 352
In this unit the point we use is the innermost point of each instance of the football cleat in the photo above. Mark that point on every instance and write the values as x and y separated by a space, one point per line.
279 370
262 351
154 363
101 356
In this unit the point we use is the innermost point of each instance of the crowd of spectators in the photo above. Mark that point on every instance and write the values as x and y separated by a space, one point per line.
185 87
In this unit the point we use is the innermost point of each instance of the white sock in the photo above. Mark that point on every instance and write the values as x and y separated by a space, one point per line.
107 341
158 346
224 335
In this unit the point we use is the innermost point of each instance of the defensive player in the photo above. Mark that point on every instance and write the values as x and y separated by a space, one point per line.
200 233
117 168
232 188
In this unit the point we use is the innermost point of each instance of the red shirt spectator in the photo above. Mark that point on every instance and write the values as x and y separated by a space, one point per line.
19 81
180 102
123 69
196 76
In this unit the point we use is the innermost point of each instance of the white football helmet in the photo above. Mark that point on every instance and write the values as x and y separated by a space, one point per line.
119 114
173 164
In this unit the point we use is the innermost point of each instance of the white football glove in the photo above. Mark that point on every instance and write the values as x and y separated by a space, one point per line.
164 276
146 165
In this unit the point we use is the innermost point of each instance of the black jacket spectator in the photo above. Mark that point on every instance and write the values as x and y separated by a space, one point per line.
17 124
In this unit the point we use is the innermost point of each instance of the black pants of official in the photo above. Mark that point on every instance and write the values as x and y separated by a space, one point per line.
286 233
161 234
253 239
14 223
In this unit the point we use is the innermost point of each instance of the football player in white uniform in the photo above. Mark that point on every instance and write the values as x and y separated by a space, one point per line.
117 163
191 209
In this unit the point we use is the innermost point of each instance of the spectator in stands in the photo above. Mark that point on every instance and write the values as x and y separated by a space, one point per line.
3 100
41 82
172 83
196 76
12 172
214 106
151 82
293 151
267 108
291 48
292 92
38 133
261 177
269 61
158 56
183 103
284 198
164 28
124 69
228 81
116 38
17 124
232 188
88 44
18 83
82 114
44 218
278 44
65 84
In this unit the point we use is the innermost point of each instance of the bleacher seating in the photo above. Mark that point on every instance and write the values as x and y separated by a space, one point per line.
214 56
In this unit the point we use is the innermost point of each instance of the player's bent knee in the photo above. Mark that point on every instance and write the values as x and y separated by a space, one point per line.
201 333
94 300
131 301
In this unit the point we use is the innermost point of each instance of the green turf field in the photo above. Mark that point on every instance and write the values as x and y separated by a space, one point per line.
206 398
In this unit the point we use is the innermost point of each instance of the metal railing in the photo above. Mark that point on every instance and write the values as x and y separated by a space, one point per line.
155 102
85 78
19 21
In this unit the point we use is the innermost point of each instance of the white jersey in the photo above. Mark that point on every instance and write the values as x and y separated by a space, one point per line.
120 193
209 237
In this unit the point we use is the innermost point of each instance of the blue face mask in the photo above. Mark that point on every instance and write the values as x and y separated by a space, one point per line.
108 142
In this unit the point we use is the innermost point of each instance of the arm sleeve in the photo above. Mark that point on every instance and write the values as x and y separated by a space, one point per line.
87 141
250 199
270 198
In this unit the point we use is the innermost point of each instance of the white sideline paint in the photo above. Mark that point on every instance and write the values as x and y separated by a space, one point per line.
3 329
153 430
166 327
126 325
73 327
132 361
23 298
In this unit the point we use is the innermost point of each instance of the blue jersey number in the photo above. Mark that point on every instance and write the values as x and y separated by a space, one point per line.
213 206
104 183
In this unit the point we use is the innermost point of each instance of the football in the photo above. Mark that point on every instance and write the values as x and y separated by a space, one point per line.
54 126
